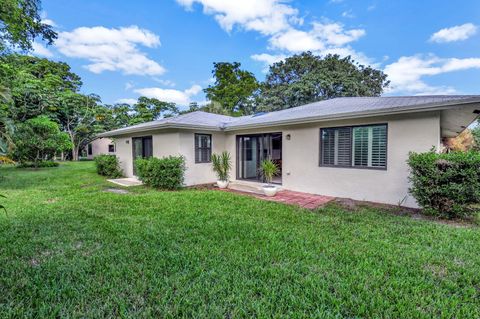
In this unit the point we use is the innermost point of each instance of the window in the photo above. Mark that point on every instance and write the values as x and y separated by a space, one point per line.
203 148
358 146
111 148
89 149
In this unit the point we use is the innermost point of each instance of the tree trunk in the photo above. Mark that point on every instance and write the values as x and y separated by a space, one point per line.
75 146
75 153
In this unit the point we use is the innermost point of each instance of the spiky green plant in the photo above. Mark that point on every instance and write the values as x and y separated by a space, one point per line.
222 164
268 169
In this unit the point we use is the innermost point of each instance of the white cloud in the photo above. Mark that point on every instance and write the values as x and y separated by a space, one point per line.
281 23
126 101
171 95
46 20
348 14
129 85
50 22
268 59
264 16
408 73
111 49
41 50
456 33
320 37
165 82
358 57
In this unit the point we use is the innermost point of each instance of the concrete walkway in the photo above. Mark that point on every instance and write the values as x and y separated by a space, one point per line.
126 182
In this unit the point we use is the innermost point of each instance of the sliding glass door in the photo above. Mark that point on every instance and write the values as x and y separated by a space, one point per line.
142 147
253 149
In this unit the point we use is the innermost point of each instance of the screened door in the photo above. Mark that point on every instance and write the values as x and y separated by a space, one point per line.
142 147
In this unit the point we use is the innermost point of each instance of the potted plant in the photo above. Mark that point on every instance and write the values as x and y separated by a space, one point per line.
269 169
222 165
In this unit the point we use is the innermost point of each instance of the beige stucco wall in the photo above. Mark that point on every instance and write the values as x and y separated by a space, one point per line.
164 144
300 159
199 173
99 147
174 143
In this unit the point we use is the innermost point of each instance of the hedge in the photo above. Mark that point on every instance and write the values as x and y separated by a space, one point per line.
446 185
165 173
108 165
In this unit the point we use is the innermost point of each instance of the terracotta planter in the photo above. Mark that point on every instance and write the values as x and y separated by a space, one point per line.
222 184
270 190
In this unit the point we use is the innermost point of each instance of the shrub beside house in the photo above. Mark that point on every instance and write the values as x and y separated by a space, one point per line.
446 185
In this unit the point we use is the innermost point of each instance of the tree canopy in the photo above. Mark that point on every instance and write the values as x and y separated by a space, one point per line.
234 88
39 139
306 78
20 24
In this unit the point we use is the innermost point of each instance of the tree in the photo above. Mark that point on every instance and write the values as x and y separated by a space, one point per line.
36 85
306 78
234 88
81 117
20 24
39 139
150 109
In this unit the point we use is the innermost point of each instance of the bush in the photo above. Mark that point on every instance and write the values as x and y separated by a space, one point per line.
446 185
38 140
164 173
41 164
108 165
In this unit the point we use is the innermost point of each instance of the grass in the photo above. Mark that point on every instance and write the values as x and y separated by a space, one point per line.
70 249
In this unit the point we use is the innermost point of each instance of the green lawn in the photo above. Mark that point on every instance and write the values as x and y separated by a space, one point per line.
70 249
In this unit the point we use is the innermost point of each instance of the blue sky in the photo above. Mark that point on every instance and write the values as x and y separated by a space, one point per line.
166 48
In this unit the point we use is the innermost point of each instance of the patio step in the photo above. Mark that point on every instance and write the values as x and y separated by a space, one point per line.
247 187
126 182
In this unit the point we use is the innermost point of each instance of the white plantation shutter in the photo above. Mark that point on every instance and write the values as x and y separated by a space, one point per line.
360 146
370 146
328 147
379 146
336 146
343 146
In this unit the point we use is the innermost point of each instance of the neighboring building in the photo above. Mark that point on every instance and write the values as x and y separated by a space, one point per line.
345 147
100 146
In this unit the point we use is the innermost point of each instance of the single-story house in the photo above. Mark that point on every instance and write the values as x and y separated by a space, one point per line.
100 146
353 147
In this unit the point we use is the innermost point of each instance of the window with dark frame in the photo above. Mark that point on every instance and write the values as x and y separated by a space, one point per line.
203 148
89 149
354 146
111 148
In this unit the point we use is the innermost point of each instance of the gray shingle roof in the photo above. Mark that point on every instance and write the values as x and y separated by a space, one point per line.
196 119
327 109
354 106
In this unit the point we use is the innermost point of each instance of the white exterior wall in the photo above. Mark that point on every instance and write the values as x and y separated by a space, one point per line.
301 154
164 144
300 157
199 173
174 143
100 147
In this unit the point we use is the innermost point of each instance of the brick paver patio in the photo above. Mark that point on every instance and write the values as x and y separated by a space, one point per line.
305 200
